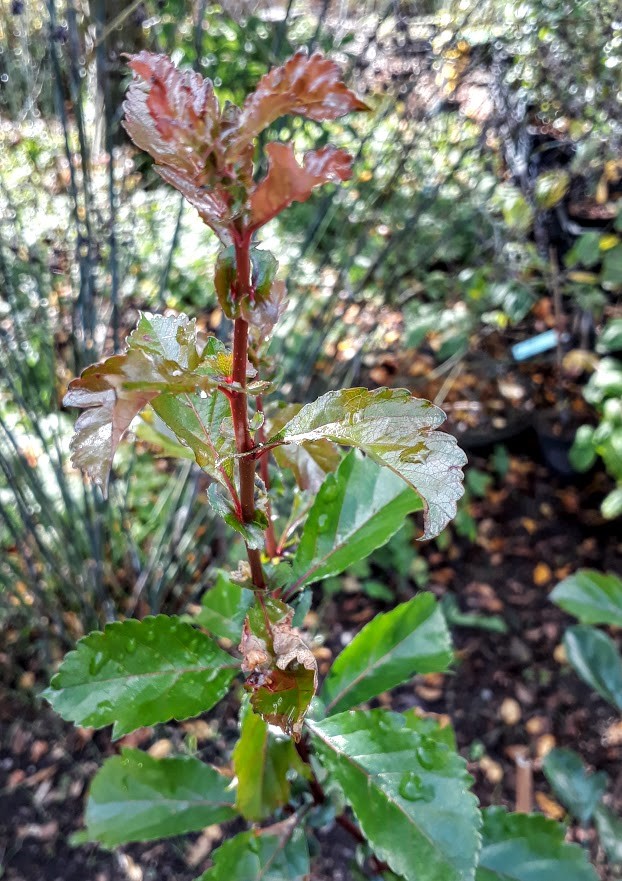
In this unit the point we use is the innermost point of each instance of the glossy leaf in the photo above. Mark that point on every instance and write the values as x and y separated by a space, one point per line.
135 797
528 847
391 649
287 181
279 853
137 673
609 828
261 763
356 510
162 356
197 421
431 725
397 431
408 792
306 85
281 670
577 790
592 597
595 658
264 315
252 531
309 463
224 607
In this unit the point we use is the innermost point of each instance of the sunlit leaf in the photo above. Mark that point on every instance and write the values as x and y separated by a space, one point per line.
306 85
287 181
409 793
278 853
137 673
528 847
397 431
592 597
309 463
356 510
595 658
577 790
392 648
281 670
135 797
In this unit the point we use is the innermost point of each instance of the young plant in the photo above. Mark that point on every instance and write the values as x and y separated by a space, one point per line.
305 756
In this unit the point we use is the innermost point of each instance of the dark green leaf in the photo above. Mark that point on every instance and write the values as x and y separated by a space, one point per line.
528 847
595 658
583 453
609 827
592 597
577 790
137 798
357 510
397 431
281 670
224 607
261 763
456 618
279 853
431 726
409 793
137 673
392 648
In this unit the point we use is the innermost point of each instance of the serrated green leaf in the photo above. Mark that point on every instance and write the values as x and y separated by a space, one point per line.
528 847
137 673
279 853
392 648
261 763
397 431
135 797
197 420
430 726
356 510
577 790
167 337
309 463
609 827
592 597
594 656
408 792
224 607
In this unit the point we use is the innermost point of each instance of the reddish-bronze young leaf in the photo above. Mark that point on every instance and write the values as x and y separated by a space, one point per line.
171 114
287 181
306 85
212 204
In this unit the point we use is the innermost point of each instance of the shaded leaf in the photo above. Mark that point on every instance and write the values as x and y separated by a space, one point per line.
397 431
279 853
528 847
135 797
392 648
251 531
577 790
356 510
609 827
287 181
595 658
261 763
551 187
592 597
224 607
264 315
281 670
306 85
408 792
137 673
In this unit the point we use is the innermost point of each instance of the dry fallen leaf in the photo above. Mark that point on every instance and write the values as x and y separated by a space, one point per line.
542 574
510 711
549 807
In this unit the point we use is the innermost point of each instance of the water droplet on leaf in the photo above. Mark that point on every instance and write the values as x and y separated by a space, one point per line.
413 788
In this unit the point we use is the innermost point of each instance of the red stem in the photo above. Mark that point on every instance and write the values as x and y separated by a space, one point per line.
239 406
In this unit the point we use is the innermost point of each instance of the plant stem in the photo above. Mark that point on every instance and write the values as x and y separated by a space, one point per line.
239 409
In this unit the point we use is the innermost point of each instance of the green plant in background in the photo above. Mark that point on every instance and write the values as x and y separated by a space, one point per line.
304 751
593 598
604 392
